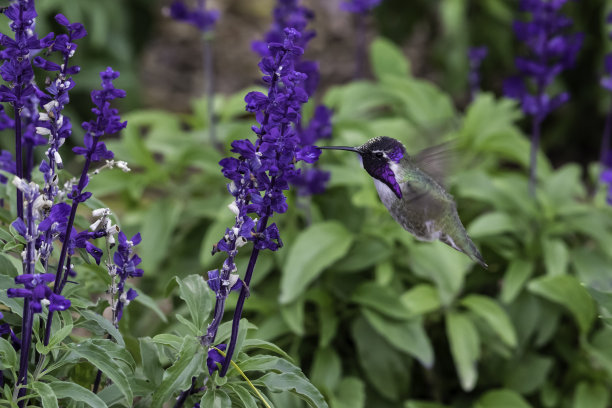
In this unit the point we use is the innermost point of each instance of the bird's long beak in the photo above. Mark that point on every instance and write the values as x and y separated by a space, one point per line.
350 149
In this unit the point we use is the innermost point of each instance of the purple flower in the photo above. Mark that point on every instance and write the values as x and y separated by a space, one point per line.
126 266
359 6
199 17
476 55
551 49
214 358
37 291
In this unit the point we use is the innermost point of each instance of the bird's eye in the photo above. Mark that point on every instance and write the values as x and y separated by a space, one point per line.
379 155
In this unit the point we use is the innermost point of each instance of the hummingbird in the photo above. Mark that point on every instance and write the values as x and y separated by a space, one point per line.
411 189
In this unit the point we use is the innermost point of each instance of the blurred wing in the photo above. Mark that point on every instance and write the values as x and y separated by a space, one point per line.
436 160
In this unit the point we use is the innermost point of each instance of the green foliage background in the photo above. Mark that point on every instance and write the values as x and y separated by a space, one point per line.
373 317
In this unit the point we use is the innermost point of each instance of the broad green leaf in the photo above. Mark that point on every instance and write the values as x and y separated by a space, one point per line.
516 276
151 366
215 398
99 357
408 336
387 59
567 291
465 348
350 393
442 265
295 384
556 256
589 395
502 398
104 324
365 253
170 340
326 370
382 299
528 373
158 226
190 363
267 363
7 267
382 365
46 394
196 294
493 223
293 315
8 356
243 393
494 315
55 339
421 299
76 393
148 302
265 345
314 249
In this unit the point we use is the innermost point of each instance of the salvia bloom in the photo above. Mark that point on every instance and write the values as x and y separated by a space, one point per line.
204 20
261 173
290 14
475 56
37 291
359 6
551 50
126 266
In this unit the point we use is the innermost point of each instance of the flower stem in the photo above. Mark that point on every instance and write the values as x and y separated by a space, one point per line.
18 159
240 304
61 269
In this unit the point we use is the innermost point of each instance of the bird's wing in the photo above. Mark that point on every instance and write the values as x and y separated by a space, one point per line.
435 160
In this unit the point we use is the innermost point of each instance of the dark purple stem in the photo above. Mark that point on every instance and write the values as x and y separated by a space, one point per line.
240 304
28 316
61 270
18 158
96 384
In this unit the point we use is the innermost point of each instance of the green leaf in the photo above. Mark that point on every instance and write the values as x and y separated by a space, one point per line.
382 299
556 256
350 394
501 398
382 365
423 404
567 291
436 262
493 223
314 249
295 384
189 363
387 59
326 370
150 303
293 315
170 340
55 339
243 393
158 227
215 398
47 396
76 393
407 336
517 274
465 348
151 366
104 324
99 357
196 294
421 299
494 315
527 374
8 357
265 345
589 395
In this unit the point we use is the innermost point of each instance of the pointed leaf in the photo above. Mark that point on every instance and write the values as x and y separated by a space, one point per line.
197 295
494 315
387 59
76 393
314 249
295 384
465 348
567 291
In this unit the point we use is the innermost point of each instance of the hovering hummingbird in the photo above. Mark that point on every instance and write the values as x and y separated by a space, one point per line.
410 188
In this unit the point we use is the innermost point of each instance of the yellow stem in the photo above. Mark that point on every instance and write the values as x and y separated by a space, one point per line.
245 378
